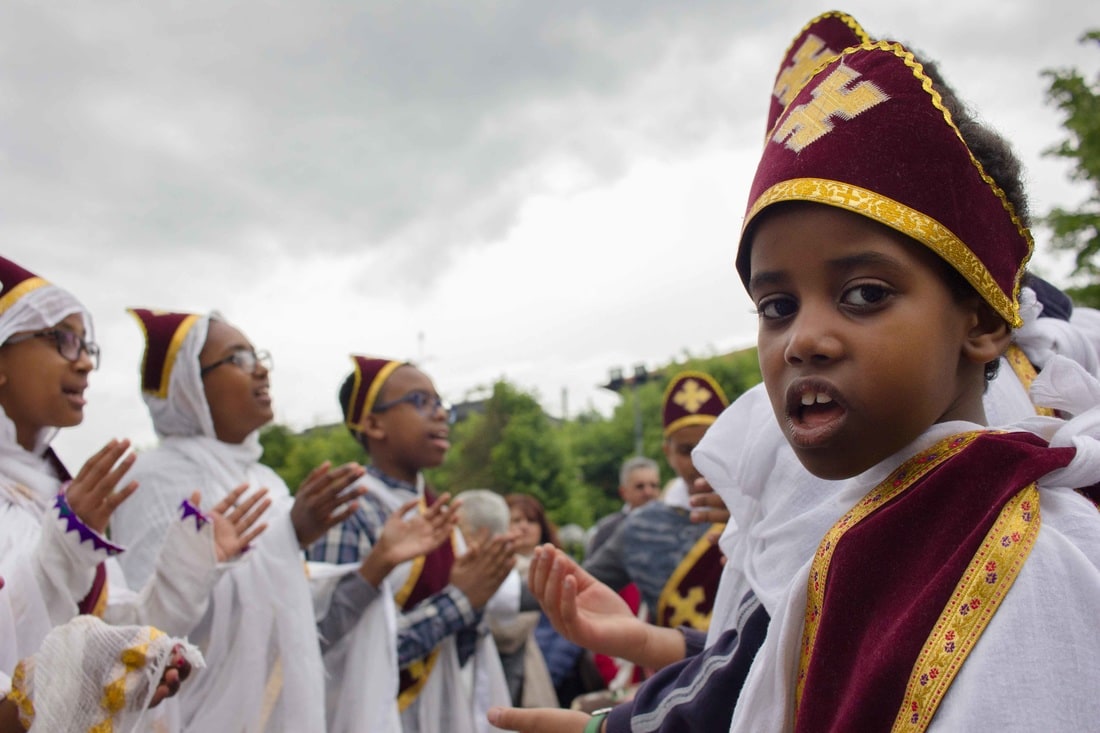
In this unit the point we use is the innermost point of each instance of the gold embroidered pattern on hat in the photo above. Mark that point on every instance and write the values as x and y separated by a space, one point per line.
895 215
838 95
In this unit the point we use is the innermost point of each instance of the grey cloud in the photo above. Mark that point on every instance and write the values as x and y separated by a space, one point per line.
325 127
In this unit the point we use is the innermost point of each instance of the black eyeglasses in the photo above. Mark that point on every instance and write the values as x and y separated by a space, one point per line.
423 402
244 359
69 344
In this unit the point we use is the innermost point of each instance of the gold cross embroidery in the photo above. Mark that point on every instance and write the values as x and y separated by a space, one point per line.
685 610
836 96
692 396
811 54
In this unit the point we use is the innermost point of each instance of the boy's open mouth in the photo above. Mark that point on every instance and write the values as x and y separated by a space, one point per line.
440 439
814 413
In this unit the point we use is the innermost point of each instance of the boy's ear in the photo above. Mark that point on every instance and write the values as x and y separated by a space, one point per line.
373 429
989 335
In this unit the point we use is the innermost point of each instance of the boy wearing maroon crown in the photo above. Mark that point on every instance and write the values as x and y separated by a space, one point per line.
673 561
885 263
393 410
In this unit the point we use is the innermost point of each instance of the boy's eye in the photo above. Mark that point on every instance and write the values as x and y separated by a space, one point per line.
865 295
773 308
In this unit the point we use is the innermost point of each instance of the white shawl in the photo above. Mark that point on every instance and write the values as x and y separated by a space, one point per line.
777 551
259 634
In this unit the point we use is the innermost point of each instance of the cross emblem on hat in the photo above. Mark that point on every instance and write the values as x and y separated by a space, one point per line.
692 395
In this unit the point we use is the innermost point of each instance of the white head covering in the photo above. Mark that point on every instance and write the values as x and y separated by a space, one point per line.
44 306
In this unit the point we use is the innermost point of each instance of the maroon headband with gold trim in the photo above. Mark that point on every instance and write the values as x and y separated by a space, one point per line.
15 282
691 398
820 41
164 334
869 134
370 374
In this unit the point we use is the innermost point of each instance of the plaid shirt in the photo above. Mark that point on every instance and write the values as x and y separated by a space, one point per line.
422 628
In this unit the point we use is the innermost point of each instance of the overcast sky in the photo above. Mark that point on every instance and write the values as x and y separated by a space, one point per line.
529 190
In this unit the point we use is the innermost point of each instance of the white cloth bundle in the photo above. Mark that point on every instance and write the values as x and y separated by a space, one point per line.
89 675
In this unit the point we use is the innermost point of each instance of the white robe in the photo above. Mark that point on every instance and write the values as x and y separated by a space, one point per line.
259 637
47 569
1044 626
453 700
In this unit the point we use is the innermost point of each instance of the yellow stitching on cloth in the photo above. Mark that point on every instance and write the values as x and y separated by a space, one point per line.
977 597
1025 372
19 695
903 477
685 607
272 690
419 671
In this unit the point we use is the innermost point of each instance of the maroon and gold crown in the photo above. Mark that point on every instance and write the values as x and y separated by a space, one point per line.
370 374
15 282
869 134
691 398
164 334
819 42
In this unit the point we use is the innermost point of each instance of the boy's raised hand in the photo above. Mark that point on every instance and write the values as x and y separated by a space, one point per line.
706 505
235 526
486 564
539 720
581 608
91 495
321 501
403 539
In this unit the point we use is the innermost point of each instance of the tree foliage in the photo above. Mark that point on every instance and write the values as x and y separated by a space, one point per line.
294 455
1078 230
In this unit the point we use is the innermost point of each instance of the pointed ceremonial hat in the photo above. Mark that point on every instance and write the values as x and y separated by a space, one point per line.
869 134
370 374
15 282
164 334
691 398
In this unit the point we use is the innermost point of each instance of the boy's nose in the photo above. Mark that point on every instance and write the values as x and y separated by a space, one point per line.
812 339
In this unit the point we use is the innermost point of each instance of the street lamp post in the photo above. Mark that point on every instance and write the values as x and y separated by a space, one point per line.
616 382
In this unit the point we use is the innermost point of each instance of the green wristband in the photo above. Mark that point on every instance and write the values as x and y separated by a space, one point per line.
595 723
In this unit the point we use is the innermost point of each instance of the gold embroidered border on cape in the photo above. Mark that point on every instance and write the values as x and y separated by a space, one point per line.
976 598
903 477
420 669
1025 371
685 609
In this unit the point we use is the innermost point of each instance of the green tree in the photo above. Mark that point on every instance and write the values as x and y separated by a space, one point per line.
293 456
1078 230
512 446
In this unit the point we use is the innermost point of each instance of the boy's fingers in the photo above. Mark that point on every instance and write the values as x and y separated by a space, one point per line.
114 500
227 502
248 537
252 517
106 485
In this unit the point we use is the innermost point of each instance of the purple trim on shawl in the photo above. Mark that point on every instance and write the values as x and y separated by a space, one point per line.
73 524
189 510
